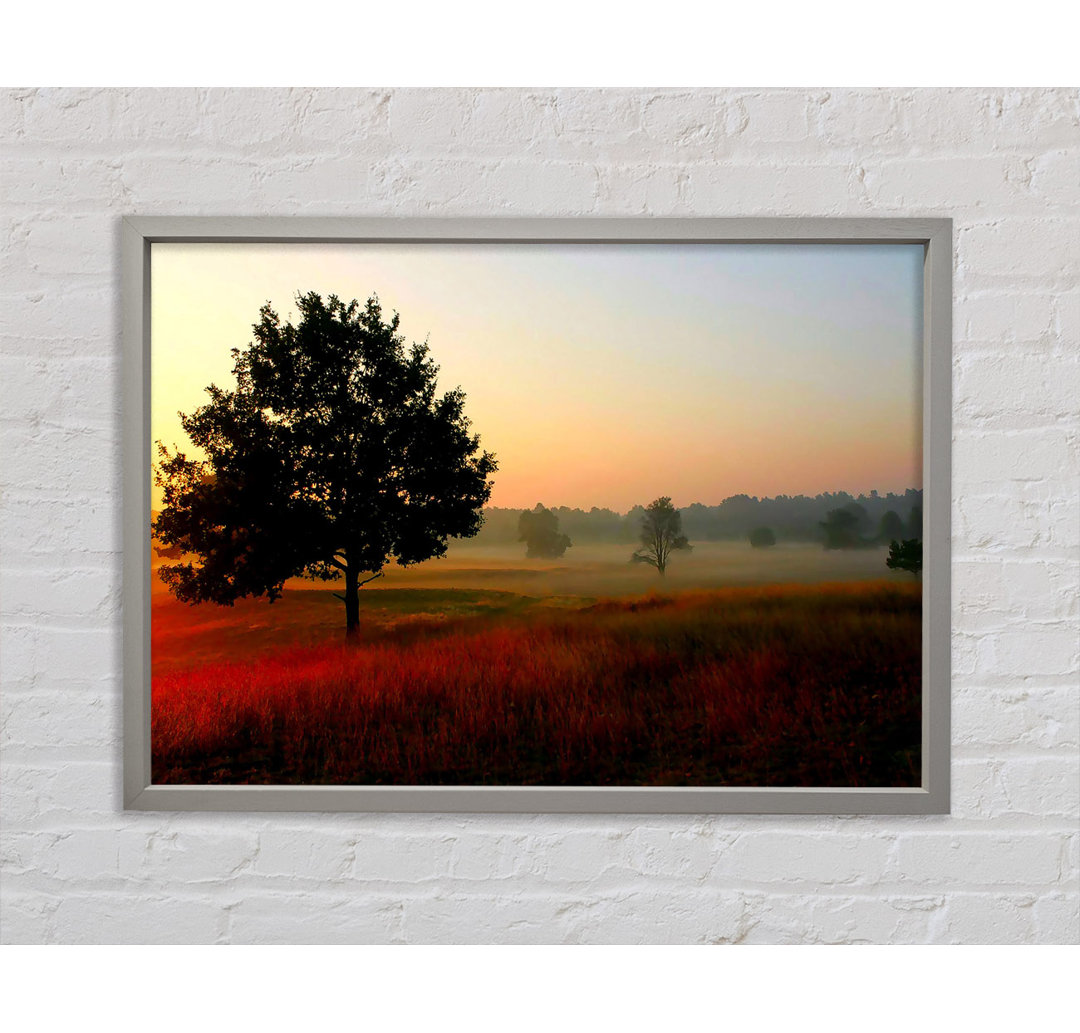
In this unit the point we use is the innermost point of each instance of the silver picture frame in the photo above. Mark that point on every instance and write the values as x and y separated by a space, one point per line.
138 233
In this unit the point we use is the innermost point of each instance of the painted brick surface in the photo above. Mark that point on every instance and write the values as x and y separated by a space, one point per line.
1003 867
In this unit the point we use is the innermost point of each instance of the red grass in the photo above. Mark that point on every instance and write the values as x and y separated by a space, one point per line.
777 686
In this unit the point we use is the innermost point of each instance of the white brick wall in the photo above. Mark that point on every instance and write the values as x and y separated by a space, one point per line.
1005 164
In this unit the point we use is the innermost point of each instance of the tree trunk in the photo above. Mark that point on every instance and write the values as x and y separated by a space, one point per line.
352 600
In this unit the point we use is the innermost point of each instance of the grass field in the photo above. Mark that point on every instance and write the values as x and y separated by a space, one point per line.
481 581
473 670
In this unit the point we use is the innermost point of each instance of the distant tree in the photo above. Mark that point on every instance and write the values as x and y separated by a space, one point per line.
661 535
905 555
841 529
538 528
333 453
914 527
762 537
891 526
862 518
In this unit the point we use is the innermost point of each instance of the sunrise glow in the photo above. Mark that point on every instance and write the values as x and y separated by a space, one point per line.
605 375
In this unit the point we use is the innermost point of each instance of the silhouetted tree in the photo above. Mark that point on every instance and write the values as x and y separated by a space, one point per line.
841 529
862 518
333 453
905 555
891 526
914 527
538 528
661 534
762 537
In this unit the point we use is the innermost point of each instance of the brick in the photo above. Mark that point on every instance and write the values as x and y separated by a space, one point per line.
79 717
968 120
404 859
428 121
641 915
54 656
1050 652
977 859
988 918
1025 589
69 116
57 317
695 124
80 185
511 123
998 316
985 387
76 245
73 390
638 191
107 918
828 918
1057 918
188 855
991 718
315 919
314 184
1023 455
326 856
63 593
836 859
62 527
788 189
1055 177
776 116
868 120
480 857
56 462
1041 787
1019 250
1029 516
974 184
557 124
566 189
176 184
1067 315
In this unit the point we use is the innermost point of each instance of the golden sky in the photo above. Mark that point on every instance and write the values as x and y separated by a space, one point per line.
604 374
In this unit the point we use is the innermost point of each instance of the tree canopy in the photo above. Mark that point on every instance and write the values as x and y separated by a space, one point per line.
891 526
762 537
841 528
538 528
661 535
333 453
905 555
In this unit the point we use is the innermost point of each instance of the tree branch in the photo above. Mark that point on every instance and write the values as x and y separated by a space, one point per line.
366 580
335 562
337 596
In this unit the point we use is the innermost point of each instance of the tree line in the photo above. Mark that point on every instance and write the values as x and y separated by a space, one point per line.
833 519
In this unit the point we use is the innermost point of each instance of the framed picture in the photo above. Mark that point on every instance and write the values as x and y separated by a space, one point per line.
627 515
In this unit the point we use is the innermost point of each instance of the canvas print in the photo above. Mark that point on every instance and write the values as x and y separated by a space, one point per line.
499 514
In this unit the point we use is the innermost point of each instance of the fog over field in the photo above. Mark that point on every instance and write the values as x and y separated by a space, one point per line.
482 581
605 570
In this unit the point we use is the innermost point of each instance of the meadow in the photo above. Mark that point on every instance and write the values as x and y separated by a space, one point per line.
787 666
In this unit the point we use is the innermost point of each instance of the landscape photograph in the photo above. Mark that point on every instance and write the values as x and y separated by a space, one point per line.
502 514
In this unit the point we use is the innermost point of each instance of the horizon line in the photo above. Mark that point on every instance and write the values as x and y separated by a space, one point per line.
873 493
